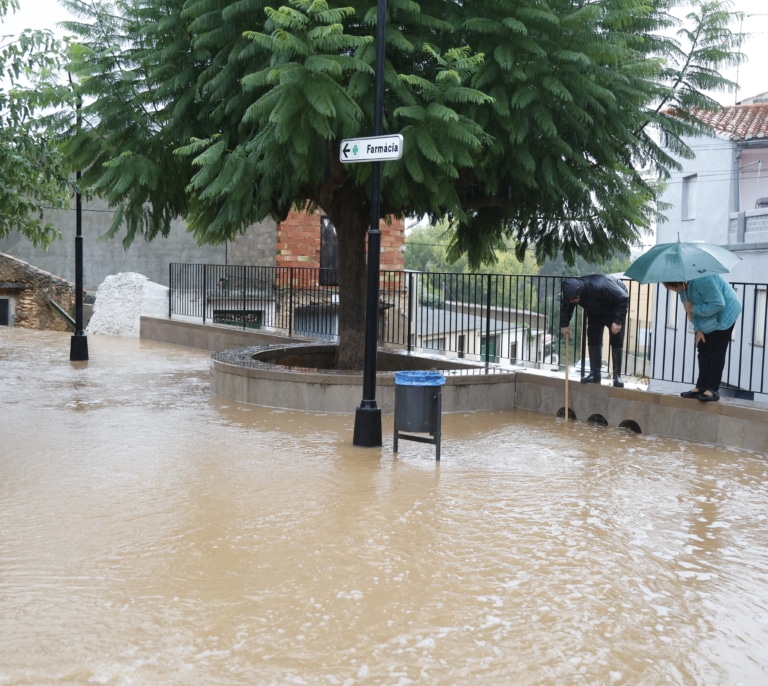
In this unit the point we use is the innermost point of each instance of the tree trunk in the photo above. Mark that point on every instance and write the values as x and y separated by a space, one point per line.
351 227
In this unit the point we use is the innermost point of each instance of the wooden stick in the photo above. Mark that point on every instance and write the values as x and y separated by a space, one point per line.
567 341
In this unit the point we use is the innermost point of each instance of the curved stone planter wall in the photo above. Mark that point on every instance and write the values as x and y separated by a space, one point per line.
253 375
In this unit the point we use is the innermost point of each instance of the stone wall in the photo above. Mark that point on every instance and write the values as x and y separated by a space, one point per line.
104 256
256 247
28 291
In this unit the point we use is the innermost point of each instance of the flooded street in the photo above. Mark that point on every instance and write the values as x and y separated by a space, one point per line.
153 534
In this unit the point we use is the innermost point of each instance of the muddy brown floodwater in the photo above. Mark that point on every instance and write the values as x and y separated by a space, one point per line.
153 534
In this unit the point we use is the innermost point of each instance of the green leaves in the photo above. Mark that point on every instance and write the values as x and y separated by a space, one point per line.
538 122
34 175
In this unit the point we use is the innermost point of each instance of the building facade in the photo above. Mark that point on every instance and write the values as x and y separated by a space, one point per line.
298 241
721 196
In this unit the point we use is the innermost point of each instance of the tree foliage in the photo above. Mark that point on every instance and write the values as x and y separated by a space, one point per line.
549 123
34 176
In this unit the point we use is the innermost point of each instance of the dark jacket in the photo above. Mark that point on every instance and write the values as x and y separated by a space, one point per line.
598 294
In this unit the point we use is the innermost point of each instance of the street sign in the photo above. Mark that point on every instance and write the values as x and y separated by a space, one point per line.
373 149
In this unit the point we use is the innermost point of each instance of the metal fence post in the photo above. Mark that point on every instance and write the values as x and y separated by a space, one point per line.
205 290
488 322
290 302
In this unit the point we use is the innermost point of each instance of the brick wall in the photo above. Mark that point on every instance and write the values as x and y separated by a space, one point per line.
297 242
28 289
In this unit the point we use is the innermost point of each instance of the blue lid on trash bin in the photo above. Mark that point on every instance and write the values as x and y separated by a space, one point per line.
419 378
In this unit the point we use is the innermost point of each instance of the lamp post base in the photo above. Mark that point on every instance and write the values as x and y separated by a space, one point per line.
367 426
78 348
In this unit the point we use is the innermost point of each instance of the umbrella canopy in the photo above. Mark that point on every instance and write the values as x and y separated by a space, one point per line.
681 261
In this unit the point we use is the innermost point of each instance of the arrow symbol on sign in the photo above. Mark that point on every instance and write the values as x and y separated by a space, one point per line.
345 150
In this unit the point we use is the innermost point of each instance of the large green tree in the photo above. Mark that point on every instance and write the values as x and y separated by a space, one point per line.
34 175
545 121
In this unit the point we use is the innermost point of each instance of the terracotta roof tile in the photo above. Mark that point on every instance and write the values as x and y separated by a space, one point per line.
738 122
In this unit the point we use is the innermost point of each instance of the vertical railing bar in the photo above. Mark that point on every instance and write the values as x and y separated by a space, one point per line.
656 337
488 322
412 296
203 295
739 337
294 296
674 336
765 343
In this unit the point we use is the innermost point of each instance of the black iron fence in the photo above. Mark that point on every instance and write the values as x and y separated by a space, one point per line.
288 300
504 319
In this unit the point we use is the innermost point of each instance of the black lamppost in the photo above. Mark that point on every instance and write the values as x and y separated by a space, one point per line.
78 349
368 416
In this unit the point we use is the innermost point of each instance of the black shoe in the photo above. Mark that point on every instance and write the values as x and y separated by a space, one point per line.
590 378
709 398
691 394
617 382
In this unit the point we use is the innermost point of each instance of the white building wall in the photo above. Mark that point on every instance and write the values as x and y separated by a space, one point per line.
707 182
728 179
711 211
753 177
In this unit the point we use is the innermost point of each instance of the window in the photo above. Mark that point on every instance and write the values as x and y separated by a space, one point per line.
688 203
5 312
329 253
758 337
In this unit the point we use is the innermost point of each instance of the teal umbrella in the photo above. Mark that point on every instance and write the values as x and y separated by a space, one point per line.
681 261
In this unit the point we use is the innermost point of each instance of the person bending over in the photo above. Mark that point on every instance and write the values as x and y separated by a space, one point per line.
605 301
713 308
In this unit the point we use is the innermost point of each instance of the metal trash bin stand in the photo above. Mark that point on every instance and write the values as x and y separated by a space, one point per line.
418 407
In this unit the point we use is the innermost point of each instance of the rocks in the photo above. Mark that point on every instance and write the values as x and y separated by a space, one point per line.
28 292
120 302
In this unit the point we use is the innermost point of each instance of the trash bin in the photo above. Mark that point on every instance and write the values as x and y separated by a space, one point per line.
415 395
418 404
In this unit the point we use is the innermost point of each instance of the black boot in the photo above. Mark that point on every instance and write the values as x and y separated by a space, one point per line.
616 354
595 361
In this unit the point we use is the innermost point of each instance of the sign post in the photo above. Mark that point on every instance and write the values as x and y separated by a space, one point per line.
368 416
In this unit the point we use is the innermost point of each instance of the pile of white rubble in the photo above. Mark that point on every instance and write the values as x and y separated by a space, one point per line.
121 300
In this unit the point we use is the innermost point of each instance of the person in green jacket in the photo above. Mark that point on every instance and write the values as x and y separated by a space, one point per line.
713 308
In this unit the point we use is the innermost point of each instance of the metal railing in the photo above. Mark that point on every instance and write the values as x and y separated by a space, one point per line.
500 319
289 300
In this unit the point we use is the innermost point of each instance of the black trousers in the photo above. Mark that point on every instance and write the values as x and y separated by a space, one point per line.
712 353
596 322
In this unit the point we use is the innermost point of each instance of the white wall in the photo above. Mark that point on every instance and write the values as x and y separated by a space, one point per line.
710 203
715 203
753 174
